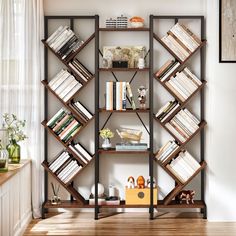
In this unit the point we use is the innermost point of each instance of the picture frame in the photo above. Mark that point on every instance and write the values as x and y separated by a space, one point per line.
227 31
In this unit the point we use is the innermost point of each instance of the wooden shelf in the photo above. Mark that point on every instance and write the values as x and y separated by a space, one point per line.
197 204
113 151
124 29
124 69
128 110
179 187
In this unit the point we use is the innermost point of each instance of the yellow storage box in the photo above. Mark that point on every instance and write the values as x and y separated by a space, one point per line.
139 196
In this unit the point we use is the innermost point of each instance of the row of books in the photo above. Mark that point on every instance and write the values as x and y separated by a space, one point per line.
81 152
183 124
64 85
181 41
116 95
64 125
166 150
80 70
183 166
183 84
85 114
167 110
64 42
65 167
131 146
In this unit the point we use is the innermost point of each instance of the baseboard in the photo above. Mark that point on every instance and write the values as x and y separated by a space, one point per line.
23 224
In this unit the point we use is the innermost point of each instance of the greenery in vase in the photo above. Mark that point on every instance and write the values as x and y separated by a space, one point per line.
14 127
106 133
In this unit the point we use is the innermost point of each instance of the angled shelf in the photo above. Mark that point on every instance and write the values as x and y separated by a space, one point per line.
128 110
124 69
114 151
125 29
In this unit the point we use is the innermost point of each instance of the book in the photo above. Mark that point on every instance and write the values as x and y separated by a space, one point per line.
56 77
109 95
78 72
83 151
62 78
175 173
68 88
169 71
72 133
84 160
194 118
194 77
175 132
123 84
180 97
64 125
67 129
71 93
130 94
86 113
55 117
164 108
170 112
177 88
180 86
164 67
56 34
131 146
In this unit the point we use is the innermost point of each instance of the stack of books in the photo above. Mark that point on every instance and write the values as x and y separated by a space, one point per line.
85 114
131 146
166 150
167 69
64 125
116 95
181 41
64 85
65 167
183 84
183 125
81 152
183 166
80 70
64 42
166 111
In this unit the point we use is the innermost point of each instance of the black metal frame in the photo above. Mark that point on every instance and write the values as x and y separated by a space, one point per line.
202 93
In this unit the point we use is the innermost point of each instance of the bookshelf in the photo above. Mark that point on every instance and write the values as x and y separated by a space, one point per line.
77 200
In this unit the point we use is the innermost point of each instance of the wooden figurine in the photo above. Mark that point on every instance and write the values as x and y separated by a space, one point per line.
140 182
130 182
142 94
187 195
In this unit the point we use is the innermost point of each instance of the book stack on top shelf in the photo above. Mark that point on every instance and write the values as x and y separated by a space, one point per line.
64 85
183 166
183 125
65 167
64 125
64 42
181 41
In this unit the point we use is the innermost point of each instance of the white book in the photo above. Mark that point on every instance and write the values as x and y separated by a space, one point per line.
69 35
194 118
82 69
66 169
177 89
83 110
179 128
163 108
64 84
60 81
78 154
68 88
123 84
188 80
175 50
185 83
57 39
69 171
174 164
188 119
56 34
188 43
109 95
163 148
192 168
167 151
55 116
72 92
56 77
188 157
175 174
186 166
69 129
180 86
58 160
185 124
194 77
118 96
176 44
60 39
71 176
62 161
182 169
83 152
175 132
171 112
164 158
169 72
78 72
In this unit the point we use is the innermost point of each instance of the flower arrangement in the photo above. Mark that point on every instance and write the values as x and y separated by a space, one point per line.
106 133
14 127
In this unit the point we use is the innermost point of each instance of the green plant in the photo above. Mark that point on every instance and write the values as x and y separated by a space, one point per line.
106 133
14 127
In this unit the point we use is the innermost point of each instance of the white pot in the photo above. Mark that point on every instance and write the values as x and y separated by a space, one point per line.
106 143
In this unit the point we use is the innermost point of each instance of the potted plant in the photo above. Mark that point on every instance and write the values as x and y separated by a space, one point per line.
14 128
106 134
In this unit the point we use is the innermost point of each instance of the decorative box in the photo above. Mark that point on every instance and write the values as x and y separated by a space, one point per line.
119 64
111 23
139 196
121 22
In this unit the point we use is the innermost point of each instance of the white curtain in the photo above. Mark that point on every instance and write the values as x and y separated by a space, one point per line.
21 70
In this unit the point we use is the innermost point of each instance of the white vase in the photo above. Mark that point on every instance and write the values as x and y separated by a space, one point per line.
106 143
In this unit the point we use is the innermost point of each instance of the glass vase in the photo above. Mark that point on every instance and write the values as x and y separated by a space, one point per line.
14 152
3 151
106 144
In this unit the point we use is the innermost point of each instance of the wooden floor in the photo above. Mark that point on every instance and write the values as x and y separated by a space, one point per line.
129 224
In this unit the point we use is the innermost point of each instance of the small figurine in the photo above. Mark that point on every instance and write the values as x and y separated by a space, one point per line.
130 182
142 93
140 182
186 195
149 182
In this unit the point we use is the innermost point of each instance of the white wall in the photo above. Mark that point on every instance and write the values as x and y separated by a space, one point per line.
220 94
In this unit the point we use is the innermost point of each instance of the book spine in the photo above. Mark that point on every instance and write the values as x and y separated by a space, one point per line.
84 110
109 96
194 77
177 88
68 88
123 95
172 69
175 132
64 125
60 81
54 39
71 133
194 118
84 160
83 151
74 90
55 34
56 77
130 94
181 86
170 113
71 125
165 67
55 117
